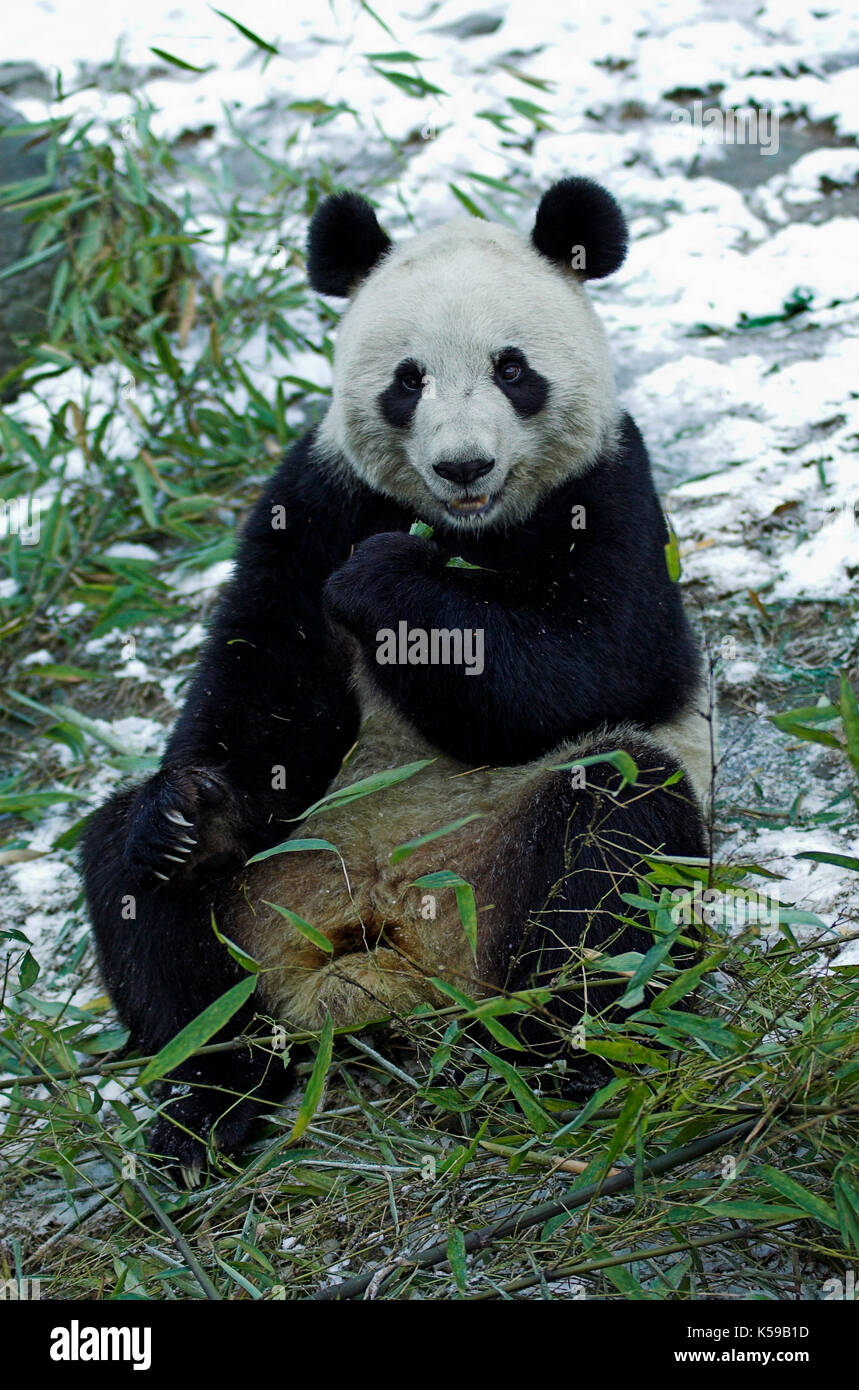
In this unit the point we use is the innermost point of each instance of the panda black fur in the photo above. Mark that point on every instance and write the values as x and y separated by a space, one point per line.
472 389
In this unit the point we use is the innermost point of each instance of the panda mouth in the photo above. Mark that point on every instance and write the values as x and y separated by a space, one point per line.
470 506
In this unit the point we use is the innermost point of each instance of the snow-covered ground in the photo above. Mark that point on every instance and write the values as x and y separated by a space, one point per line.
734 320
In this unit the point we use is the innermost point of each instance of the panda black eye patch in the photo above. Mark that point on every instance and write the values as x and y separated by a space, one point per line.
526 390
399 401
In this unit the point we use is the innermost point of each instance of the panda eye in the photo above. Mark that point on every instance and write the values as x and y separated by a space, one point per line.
411 381
510 371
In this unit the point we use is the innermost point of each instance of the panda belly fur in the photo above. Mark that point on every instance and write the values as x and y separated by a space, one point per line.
389 939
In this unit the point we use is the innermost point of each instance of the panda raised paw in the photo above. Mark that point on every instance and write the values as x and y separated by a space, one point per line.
365 590
183 821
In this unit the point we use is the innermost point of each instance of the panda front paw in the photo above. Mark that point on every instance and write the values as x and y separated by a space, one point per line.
377 583
184 820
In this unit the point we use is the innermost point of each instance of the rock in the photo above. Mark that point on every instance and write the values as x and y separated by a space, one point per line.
472 26
25 80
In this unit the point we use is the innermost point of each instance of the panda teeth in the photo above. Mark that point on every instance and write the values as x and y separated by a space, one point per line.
469 504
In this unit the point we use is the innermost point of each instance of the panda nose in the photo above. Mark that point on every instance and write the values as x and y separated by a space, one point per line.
463 471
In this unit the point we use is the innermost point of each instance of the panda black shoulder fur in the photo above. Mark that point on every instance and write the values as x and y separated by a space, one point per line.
473 390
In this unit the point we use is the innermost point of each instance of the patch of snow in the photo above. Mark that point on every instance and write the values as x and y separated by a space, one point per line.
187 640
131 550
200 581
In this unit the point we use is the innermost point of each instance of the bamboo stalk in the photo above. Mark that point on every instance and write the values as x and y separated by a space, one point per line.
546 1211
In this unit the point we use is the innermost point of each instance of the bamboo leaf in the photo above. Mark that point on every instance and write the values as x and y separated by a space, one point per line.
628 1052
316 1084
248 33
627 1120
850 720
734 1211
409 83
842 861
199 1031
310 933
806 735
27 261
457 1258
468 203
238 954
457 995
379 781
672 557
617 758
34 801
808 714
501 1034
634 992
521 1092
290 846
174 61
401 55
143 483
465 901
801 1197
28 970
403 851
686 981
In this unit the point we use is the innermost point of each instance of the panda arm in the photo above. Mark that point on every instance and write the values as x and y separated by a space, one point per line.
268 713
565 649
270 688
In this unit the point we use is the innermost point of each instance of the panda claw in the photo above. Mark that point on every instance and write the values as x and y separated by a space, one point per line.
191 1174
176 858
161 876
178 819
186 840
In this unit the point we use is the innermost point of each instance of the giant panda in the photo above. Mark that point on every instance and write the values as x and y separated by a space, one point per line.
472 393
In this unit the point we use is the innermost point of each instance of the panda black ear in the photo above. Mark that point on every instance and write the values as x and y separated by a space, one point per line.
579 225
344 243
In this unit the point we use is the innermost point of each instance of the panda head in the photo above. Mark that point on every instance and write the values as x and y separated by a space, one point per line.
471 374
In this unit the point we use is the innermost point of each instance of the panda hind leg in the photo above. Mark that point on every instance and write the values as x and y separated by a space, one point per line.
163 965
578 850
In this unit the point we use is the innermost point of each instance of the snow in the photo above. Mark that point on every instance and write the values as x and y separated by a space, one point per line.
198 581
188 639
812 883
803 183
131 550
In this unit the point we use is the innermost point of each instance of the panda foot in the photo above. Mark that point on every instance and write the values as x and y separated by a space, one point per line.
187 1133
184 821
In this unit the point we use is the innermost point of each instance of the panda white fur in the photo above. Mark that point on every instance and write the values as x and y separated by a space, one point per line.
473 391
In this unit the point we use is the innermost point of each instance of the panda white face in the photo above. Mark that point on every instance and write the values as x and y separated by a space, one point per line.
471 377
